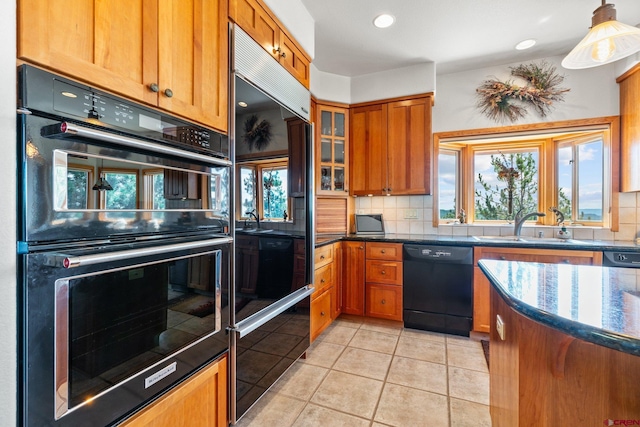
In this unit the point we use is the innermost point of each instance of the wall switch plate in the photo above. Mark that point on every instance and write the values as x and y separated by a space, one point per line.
500 327
410 214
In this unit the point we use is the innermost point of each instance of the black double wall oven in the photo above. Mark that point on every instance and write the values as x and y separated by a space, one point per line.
123 251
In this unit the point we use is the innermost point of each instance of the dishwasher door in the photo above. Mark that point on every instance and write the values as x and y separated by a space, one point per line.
438 288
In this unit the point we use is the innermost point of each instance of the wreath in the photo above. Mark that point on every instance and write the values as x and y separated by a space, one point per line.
507 101
257 133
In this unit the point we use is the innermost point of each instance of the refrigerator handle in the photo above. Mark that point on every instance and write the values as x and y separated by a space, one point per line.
251 323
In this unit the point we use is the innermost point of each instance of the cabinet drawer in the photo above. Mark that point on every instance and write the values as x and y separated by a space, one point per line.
384 301
323 255
320 313
388 272
384 251
323 279
247 242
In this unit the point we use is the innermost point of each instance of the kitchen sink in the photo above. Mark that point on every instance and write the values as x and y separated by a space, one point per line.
498 238
526 239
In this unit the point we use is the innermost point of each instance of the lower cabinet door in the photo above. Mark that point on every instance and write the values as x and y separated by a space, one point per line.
199 401
320 313
384 301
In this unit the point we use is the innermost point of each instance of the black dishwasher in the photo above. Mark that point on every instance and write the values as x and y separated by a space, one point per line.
438 288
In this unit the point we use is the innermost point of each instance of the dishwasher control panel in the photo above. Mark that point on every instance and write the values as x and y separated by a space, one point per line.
621 259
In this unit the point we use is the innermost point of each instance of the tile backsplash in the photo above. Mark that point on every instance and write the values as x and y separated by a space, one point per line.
414 215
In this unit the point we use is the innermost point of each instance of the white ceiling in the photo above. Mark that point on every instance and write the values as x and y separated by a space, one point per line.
456 35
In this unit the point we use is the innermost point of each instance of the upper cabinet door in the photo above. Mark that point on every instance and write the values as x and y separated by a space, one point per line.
368 150
409 146
111 43
193 60
292 58
256 22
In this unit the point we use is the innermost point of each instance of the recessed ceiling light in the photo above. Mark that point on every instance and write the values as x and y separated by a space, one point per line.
383 21
242 104
525 44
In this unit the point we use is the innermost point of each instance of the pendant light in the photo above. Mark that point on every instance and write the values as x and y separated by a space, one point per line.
102 184
607 41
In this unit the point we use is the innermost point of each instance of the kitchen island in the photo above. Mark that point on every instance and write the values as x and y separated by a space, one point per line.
565 344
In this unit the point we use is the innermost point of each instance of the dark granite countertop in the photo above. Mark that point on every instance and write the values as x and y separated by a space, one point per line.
527 242
600 305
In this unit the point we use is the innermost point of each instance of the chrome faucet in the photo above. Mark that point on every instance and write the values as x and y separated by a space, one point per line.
253 214
519 220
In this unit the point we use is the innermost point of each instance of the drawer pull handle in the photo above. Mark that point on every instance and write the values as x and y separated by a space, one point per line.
361 247
566 261
383 272
321 256
382 251
502 258
321 280
384 301
322 313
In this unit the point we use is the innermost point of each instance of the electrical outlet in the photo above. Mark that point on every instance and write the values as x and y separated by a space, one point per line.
500 326
410 214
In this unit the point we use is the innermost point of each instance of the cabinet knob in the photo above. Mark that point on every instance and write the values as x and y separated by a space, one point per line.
321 280
566 261
322 313
153 87
361 247
279 52
383 272
382 251
321 256
384 301
168 93
502 258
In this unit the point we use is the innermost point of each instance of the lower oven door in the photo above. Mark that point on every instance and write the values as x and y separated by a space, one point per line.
107 329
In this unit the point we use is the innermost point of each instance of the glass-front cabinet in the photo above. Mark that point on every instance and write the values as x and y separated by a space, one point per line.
333 127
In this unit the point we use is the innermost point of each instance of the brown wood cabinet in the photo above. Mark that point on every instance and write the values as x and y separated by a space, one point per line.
481 285
169 54
199 401
630 130
181 185
255 18
540 376
324 300
353 278
246 264
390 147
373 279
297 161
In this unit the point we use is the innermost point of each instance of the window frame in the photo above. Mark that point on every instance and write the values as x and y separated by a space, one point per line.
90 171
609 125
258 168
101 196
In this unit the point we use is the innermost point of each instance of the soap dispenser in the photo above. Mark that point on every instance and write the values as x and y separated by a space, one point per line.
564 233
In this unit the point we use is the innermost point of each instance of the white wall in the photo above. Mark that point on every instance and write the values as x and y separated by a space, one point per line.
330 87
420 78
8 288
594 93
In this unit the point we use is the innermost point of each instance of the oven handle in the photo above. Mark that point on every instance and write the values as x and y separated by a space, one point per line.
72 129
83 260
251 323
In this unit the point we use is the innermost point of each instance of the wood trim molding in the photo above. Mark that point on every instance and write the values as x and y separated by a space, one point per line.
396 99
628 73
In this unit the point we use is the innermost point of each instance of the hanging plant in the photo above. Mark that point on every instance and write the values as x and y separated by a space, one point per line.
507 101
256 133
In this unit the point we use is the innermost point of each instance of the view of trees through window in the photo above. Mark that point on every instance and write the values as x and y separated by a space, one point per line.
77 185
505 183
124 193
274 194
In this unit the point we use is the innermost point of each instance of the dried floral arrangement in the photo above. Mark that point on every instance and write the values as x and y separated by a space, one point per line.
256 133
507 101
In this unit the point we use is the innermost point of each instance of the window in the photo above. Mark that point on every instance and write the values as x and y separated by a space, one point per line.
581 180
154 189
123 196
492 177
79 181
270 199
448 179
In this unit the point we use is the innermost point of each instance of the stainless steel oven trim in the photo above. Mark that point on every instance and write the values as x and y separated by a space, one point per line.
72 129
61 260
253 322
61 335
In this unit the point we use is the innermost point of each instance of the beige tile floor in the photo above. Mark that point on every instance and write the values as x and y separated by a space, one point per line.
363 372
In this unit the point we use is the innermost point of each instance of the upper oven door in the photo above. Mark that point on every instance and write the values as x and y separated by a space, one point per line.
81 183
